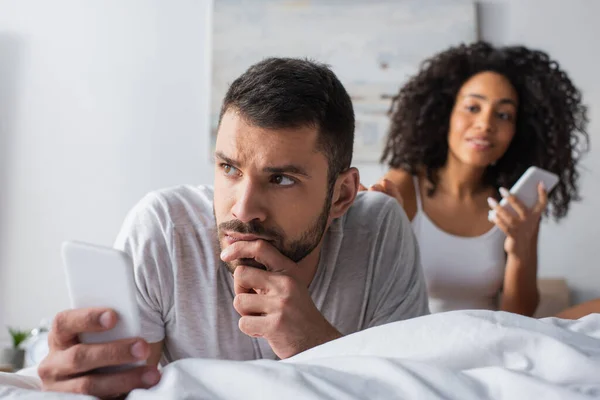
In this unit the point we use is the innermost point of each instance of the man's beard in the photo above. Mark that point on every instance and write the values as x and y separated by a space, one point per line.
295 251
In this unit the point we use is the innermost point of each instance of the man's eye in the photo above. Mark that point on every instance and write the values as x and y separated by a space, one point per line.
282 180
229 170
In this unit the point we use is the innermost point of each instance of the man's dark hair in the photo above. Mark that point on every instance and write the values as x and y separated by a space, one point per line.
279 93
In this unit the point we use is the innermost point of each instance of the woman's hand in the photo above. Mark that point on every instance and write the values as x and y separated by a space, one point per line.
521 227
384 186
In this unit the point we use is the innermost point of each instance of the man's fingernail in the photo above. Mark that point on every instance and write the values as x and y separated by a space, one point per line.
491 216
224 253
150 378
504 192
543 186
137 350
492 202
105 319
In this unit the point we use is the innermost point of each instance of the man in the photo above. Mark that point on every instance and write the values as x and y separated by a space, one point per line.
280 257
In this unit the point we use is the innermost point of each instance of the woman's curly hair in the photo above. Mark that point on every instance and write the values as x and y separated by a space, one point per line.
550 127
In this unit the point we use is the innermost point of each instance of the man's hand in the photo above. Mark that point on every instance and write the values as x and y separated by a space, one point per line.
273 305
70 365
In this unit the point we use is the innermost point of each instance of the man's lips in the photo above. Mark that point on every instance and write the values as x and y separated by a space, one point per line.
232 237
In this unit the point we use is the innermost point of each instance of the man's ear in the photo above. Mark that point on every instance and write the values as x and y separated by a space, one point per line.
344 192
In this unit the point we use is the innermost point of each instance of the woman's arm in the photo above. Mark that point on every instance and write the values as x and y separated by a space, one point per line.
403 181
520 294
581 310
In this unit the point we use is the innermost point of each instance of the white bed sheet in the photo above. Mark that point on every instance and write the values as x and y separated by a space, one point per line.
456 355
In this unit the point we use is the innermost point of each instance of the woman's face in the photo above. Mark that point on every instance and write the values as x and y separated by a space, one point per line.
482 123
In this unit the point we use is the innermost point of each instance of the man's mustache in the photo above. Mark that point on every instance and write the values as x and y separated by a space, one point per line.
250 228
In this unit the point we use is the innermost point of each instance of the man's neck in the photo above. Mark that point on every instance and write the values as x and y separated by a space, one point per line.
307 267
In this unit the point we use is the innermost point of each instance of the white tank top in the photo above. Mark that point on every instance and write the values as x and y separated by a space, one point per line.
461 272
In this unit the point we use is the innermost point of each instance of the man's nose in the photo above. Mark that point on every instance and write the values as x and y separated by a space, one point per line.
249 205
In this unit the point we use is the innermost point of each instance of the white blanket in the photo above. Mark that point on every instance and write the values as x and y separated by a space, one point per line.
457 355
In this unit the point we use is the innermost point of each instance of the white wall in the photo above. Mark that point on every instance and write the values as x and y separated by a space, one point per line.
569 32
102 101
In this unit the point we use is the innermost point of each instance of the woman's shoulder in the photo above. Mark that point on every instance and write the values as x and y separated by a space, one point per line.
404 181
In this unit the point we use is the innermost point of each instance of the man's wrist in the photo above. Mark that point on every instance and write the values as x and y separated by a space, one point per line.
331 334
327 334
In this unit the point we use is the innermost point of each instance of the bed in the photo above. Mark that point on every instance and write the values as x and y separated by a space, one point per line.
455 355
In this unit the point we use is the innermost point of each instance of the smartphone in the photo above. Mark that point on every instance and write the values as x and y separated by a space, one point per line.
102 277
526 188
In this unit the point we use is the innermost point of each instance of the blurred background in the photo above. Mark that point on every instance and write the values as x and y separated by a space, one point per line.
102 101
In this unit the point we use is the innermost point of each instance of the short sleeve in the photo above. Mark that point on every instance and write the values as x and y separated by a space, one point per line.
146 236
399 291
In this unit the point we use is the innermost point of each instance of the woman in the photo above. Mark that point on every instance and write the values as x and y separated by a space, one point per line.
463 130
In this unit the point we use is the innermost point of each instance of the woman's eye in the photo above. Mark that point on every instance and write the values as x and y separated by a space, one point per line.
473 109
505 116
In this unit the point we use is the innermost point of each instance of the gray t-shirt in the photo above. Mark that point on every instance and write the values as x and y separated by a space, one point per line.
369 273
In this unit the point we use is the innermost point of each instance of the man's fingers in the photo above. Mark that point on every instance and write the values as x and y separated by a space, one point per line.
261 251
252 304
361 187
108 385
68 324
82 358
246 279
252 325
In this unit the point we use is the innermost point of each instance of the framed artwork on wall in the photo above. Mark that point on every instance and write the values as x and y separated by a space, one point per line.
372 46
